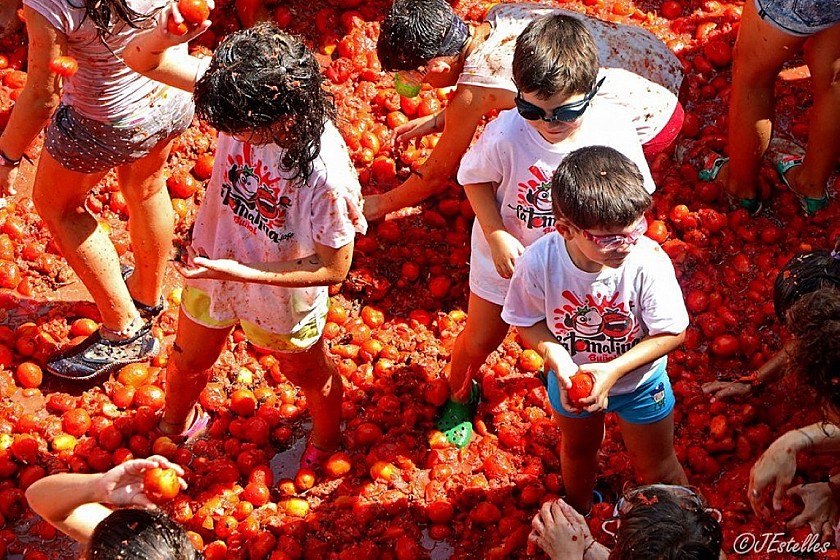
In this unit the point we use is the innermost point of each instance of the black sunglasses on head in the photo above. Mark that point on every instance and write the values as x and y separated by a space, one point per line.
564 113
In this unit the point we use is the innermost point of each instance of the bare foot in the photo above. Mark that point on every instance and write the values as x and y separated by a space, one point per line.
560 531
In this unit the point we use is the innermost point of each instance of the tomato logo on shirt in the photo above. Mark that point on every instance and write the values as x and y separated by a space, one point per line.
602 327
533 206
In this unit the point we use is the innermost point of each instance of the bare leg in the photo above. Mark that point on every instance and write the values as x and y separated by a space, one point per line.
59 196
823 56
482 334
152 222
195 351
651 448
760 52
316 374
579 448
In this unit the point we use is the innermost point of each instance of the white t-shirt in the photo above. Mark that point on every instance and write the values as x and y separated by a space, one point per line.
511 153
598 316
251 213
642 75
104 88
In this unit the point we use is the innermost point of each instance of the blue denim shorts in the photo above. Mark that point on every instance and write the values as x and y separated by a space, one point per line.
651 402
802 18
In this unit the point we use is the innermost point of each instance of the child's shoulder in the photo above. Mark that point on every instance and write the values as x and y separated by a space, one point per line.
647 255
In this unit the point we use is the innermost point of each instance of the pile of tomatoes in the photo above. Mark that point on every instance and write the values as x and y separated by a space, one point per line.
397 489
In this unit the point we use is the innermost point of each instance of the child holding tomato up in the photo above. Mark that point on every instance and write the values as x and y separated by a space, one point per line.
277 223
597 298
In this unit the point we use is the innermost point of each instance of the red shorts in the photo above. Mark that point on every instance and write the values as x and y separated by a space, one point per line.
666 136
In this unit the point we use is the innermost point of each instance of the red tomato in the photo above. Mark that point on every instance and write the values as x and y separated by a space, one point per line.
76 422
194 11
65 66
530 360
718 53
243 402
181 185
203 167
161 485
725 345
581 388
29 375
671 9
256 493
176 28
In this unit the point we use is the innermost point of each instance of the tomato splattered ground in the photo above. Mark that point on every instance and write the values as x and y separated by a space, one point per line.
397 489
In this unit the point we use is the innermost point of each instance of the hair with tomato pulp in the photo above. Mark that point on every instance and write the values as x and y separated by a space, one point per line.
663 526
814 321
555 54
598 187
106 14
262 79
802 274
140 534
416 31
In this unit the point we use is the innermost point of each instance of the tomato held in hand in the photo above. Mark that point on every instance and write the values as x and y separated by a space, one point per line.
194 11
161 485
176 28
64 66
581 388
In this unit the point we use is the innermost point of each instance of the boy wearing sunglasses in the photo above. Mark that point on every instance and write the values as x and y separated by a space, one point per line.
424 41
506 176
596 297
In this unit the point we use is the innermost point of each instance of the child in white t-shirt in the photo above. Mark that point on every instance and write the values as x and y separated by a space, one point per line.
276 226
506 176
598 297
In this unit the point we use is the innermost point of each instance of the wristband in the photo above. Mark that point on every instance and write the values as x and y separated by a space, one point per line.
6 161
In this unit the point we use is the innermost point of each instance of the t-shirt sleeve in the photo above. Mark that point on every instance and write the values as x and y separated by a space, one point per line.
481 164
525 300
57 13
663 308
337 203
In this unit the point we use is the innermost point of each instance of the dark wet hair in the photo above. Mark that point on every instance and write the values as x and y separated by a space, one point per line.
662 526
555 54
814 322
598 187
416 31
261 78
139 534
803 274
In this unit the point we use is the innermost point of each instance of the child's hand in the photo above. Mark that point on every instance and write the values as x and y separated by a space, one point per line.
776 467
559 363
605 377
123 484
820 509
414 128
724 390
505 249
560 531
199 266
8 175
172 30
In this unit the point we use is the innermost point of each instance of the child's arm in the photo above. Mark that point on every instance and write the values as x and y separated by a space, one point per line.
504 247
324 267
73 502
606 374
772 370
39 98
777 466
153 53
557 359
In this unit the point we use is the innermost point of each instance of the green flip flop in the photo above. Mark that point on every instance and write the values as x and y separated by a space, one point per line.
809 205
455 419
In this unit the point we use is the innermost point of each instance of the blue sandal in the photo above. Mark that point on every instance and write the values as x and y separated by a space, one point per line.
809 205
711 168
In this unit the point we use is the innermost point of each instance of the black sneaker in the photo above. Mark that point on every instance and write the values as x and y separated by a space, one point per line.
148 312
97 356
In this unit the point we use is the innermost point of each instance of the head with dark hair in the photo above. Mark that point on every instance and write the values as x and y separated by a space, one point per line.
598 187
266 83
106 14
661 525
803 274
139 534
555 54
814 321
416 31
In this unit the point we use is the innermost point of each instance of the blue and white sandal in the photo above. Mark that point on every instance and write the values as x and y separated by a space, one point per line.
809 205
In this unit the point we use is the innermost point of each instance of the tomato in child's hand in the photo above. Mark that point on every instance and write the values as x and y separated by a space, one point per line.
194 11
64 66
176 28
161 485
581 388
